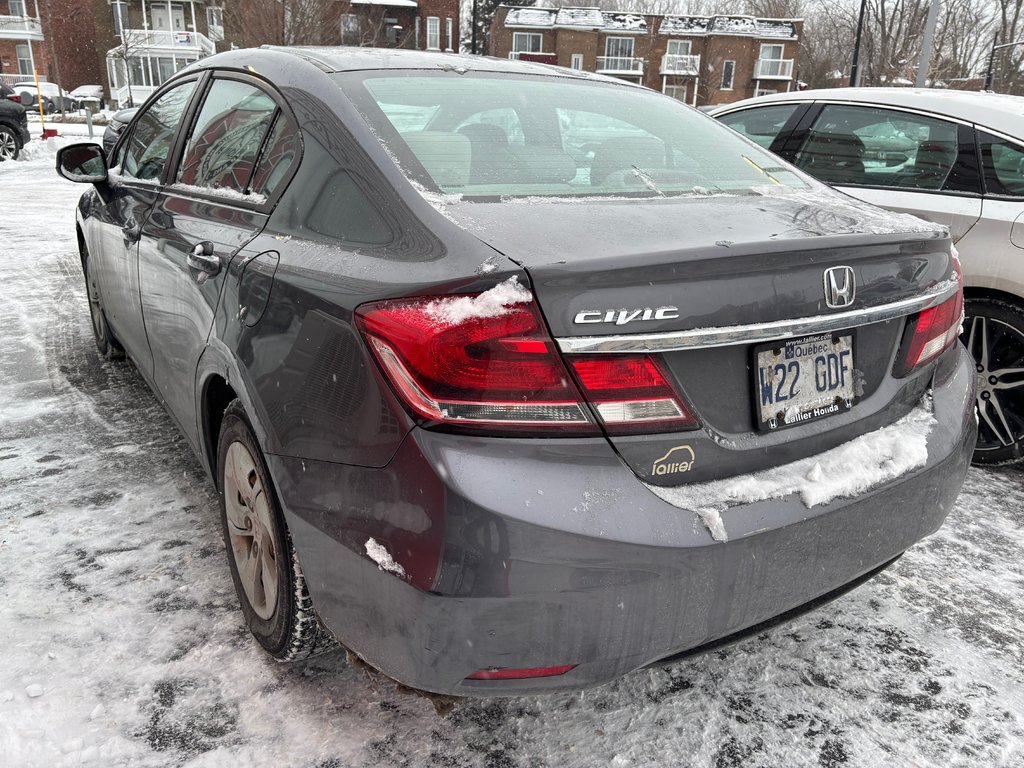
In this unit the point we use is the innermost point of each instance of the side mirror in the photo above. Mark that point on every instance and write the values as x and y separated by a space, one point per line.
84 163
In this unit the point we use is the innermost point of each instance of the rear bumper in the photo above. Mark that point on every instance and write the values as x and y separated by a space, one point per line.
538 553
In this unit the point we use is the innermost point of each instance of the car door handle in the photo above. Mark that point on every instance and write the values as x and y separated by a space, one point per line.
203 258
131 232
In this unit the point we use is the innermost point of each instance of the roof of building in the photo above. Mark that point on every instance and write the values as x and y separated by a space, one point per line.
594 18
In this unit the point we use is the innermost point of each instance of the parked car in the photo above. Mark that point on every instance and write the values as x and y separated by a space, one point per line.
952 157
13 129
82 92
498 419
118 121
6 92
54 97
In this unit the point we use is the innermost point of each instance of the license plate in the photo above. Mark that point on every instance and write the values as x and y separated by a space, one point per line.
803 380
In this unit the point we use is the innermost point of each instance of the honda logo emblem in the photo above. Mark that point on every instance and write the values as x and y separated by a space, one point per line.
840 287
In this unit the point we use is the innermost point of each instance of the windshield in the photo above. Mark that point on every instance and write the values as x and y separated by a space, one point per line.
493 136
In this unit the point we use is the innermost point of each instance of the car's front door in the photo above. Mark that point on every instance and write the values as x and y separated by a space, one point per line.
136 174
900 160
217 203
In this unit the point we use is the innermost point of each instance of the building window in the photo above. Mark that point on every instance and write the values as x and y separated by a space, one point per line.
433 33
527 42
24 54
676 92
678 48
728 74
350 29
119 11
765 91
16 7
577 61
215 22
619 47
448 32
771 51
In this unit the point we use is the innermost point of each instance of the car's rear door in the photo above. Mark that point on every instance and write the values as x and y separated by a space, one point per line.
995 246
224 185
897 159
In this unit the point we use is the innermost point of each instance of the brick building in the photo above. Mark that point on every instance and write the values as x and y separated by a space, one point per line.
697 59
416 24
23 47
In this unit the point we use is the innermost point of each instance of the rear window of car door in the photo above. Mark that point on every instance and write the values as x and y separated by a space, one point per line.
146 152
855 145
223 147
761 124
1003 164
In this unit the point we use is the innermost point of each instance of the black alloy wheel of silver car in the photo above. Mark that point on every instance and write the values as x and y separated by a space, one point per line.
264 567
8 144
107 344
994 335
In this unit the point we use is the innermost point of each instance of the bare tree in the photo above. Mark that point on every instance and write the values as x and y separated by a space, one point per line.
281 22
131 46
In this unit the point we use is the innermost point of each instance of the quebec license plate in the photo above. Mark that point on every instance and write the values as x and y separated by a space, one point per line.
803 380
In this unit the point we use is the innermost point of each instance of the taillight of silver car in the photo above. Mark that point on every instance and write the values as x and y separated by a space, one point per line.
504 373
931 332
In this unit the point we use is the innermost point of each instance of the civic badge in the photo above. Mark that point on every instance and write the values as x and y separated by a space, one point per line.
840 287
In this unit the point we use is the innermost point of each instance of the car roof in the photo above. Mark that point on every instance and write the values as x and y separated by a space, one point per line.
1000 112
342 58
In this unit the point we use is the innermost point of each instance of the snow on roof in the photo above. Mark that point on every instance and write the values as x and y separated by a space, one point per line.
579 17
594 18
684 25
625 21
387 3
530 17
748 25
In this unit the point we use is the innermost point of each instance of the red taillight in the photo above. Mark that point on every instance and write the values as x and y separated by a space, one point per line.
498 369
487 363
520 674
631 393
15 97
932 331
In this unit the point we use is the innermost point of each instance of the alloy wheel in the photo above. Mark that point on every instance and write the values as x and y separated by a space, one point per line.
8 146
251 530
998 352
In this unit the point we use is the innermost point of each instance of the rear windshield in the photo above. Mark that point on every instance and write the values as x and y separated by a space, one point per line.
494 136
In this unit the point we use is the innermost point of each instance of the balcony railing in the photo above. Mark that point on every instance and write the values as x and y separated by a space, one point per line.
535 56
620 65
166 40
9 79
678 64
774 69
20 28
139 93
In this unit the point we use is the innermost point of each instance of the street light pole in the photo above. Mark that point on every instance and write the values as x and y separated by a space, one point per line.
473 31
855 65
926 45
990 74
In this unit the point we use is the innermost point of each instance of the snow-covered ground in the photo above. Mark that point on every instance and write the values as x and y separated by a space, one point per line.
122 644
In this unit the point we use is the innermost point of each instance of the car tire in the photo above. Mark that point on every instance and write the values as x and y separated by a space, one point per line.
10 148
107 344
264 566
994 335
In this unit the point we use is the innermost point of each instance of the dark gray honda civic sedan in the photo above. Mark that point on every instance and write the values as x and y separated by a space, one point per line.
513 378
